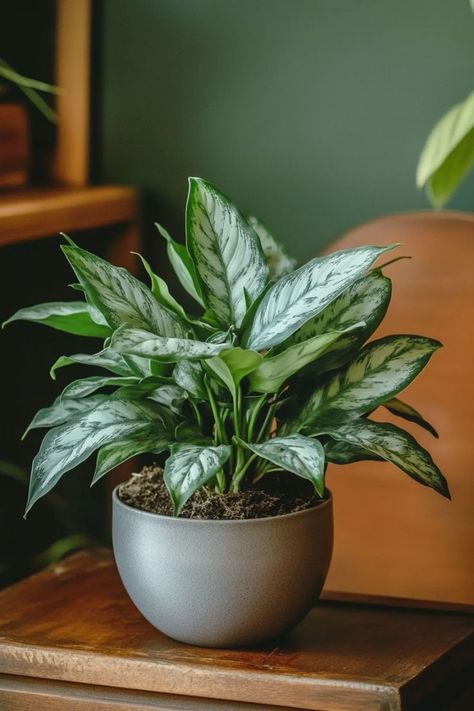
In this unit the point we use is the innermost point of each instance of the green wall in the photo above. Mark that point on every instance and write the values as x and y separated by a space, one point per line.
310 113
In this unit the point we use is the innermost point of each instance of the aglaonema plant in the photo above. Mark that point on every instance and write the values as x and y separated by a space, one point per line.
273 373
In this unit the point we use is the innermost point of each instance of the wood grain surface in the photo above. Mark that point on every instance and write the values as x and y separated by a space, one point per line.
75 623
39 212
392 536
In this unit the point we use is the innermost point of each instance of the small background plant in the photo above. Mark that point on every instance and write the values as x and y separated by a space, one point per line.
273 373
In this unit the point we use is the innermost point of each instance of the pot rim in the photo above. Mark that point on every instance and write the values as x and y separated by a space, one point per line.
176 520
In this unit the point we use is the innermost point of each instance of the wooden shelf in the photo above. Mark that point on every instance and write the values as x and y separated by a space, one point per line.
71 638
33 213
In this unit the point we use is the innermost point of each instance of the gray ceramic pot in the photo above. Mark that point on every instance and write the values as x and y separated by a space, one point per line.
223 583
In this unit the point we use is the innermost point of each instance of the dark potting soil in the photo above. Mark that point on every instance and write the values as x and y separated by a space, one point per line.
277 495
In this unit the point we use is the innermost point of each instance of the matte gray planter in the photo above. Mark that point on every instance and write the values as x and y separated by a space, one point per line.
223 583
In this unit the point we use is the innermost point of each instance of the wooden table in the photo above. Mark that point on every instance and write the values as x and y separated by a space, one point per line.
71 639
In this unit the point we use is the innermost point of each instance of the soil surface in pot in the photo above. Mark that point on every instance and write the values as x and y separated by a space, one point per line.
277 495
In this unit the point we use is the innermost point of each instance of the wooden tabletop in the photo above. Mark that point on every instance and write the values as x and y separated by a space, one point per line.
75 623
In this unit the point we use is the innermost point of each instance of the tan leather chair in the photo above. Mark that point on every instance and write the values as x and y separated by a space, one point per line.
392 536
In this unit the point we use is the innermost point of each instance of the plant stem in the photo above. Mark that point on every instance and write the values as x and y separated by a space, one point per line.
239 475
255 413
220 435
197 413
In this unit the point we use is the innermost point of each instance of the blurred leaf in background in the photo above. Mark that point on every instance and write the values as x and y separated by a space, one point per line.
448 154
16 561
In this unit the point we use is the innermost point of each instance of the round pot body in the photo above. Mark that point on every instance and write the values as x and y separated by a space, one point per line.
223 583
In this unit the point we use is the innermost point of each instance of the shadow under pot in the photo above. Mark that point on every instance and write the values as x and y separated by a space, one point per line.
223 583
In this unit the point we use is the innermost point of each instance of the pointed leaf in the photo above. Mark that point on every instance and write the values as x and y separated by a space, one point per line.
396 446
381 370
297 454
407 412
275 370
278 260
72 317
142 343
219 368
183 266
86 386
191 467
226 251
301 295
121 297
66 446
160 291
108 359
63 410
116 453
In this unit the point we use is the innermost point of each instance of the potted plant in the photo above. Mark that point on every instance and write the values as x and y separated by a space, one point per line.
271 380
14 128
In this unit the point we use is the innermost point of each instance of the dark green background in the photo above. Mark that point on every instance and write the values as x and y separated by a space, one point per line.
310 113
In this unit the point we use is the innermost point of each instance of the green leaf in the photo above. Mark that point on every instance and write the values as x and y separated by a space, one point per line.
407 412
219 368
112 455
13 471
62 548
297 454
273 371
108 359
160 291
226 251
345 453
381 370
168 394
278 260
142 343
191 467
396 446
189 375
62 411
190 434
66 446
301 295
448 154
72 317
122 298
240 362
183 266
86 386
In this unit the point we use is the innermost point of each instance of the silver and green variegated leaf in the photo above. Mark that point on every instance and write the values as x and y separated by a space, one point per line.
279 261
66 446
137 342
63 410
226 251
165 393
108 359
74 317
86 386
381 370
407 412
121 297
339 452
116 453
301 295
189 375
366 301
295 453
393 444
273 371
183 266
191 467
